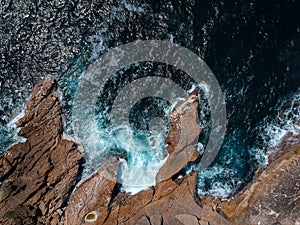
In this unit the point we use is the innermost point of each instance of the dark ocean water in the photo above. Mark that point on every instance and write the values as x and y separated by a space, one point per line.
253 48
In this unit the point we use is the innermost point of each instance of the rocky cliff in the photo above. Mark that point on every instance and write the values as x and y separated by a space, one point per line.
273 197
40 179
38 175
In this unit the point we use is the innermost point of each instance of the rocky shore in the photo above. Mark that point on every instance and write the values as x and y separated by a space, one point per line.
38 175
40 178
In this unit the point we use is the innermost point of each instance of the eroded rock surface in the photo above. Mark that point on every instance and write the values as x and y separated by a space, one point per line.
273 197
93 194
182 138
39 179
157 205
38 175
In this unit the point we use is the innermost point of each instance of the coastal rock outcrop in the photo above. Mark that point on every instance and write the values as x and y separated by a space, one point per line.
273 197
91 198
38 175
40 179
171 201
182 138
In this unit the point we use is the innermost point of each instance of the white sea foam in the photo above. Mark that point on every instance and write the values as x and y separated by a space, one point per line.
12 122
260 156
13 129
171 38
287 120
141 156
138 177
275 133
214 176
222 181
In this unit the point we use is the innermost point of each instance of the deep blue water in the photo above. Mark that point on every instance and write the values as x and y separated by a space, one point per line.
251 46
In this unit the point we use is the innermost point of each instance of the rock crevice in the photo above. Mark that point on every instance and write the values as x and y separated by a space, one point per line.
38 175
39 179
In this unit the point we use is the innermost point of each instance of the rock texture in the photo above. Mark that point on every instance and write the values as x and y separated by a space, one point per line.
273 197
38 175
171 201
40 185
93 194
182 138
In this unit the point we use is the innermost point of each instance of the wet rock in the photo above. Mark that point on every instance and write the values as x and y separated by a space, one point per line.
91 197
38 178
182 138
156 205
38 175
273 195
187 219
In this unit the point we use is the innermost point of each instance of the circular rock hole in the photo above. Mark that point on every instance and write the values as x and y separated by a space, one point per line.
91 216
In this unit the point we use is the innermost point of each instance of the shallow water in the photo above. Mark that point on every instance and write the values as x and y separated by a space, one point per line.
252 48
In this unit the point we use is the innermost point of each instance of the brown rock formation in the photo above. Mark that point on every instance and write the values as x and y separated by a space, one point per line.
169 202
92 196
273 197
182 138
38 175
